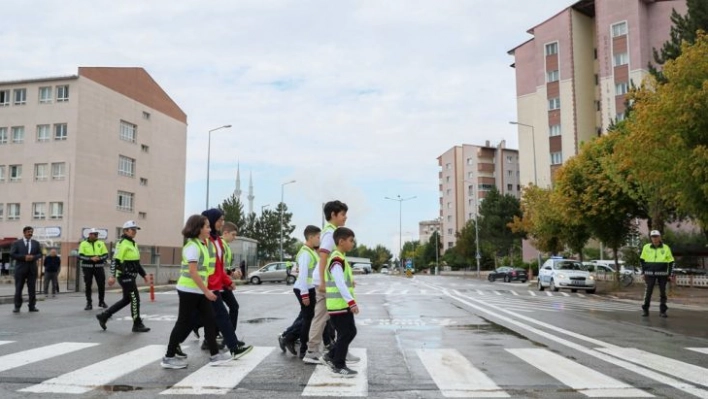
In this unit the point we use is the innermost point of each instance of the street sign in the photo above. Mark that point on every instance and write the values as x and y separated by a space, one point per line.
409 264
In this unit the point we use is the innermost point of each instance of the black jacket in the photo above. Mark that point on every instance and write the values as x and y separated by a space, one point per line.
18 251
52 264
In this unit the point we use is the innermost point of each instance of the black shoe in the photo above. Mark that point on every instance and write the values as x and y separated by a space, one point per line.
240 343
140 327
220 345
645 313
88 306
102 319
663 314
290 345
281 340
179 354
240 351
17 310
102 305
34 310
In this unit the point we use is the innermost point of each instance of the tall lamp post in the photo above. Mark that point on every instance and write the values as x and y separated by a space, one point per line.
209 161
400 225
282 205
478 256
533 138
437 245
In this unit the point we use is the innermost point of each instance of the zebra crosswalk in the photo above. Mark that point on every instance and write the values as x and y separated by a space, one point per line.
452 371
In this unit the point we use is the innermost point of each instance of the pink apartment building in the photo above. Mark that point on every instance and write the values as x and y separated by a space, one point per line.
92 150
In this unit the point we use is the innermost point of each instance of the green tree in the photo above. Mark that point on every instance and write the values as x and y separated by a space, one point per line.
541 221
466 245
380 256
233 212
496 213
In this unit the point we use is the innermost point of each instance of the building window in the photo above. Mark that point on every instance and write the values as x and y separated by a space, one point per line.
620 117
143 181
552 48
447 179
597 79
3 135
60 132
448 191
449 205
518 187
510 173
126 166
13 211
39 210
125 201
128 131
56 210
15 173
594 53
619 29
45 95
18 134
42 133
598 105
621 59
554 103
142 215
621 88
20 96
449 244
470 175
449 218
144 148
448 166
509 187
58 170
449 231
146 115
556 158
2 209
41 171
509 159
2 173
62 93
554 130
552 76
486 187
4 98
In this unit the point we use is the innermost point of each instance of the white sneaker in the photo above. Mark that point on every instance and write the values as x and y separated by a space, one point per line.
351 358
220 358
312 358
173 363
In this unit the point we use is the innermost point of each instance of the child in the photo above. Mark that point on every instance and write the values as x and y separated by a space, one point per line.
341 304
228 234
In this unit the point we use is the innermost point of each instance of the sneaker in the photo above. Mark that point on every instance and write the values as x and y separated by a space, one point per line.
240 343
291 347
312 358
328 360
102 319
281 342
102 305
173 363
664 315
220 358
645 313
240 351
33 310
179 354
88 306
344 372
351 358
140 327
220 344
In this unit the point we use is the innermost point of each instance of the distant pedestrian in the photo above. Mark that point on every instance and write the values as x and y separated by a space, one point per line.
125 268
26 252
657 266
93 254
52 267
243 269
341 302
228 234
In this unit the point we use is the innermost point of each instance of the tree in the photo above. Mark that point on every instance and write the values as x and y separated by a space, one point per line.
466 246
540 220
496 213
233 212
684 29
381 256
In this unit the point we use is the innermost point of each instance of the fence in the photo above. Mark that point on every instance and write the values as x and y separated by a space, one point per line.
699 281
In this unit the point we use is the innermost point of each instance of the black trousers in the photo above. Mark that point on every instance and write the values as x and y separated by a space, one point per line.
346 331
131 297
26 274
223 323
651 281
230 300
189 303
308 313
89 274
51 277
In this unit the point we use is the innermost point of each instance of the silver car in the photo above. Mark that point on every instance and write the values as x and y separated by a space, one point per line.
274 272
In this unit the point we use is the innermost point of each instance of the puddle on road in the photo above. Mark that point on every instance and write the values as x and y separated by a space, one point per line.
262 320
492 328
120 388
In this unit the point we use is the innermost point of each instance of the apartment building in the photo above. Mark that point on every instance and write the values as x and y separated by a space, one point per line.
93 149
573 74
467 173
426 229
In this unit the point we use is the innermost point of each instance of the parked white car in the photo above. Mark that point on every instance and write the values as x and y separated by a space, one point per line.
557 273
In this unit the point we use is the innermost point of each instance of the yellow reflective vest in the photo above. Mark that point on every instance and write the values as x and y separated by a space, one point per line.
333 297
205 266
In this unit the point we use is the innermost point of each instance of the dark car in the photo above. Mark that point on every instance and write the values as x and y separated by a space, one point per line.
508 274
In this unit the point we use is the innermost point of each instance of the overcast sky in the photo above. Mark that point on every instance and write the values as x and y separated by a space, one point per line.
354 100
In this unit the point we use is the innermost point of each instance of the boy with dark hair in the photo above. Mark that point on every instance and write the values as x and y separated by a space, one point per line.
335 213
304 290
341 304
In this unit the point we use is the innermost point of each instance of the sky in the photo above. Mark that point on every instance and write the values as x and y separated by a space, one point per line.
354 100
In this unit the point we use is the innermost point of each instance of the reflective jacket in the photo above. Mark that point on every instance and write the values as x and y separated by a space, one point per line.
657 260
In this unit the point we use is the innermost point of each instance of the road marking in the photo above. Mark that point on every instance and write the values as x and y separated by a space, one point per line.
24 358
404 292
685 371
565 294
548 293
658 377
583 379
456 377
699 350
324 383
580 295
516 293
6 342
219 380
98 374
480 292
532 293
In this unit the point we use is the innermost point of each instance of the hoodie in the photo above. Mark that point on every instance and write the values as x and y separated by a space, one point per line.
219 279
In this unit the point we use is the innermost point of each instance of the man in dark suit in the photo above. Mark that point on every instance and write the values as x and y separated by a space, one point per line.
26 252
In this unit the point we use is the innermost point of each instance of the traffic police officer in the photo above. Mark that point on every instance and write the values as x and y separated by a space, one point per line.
657 266
93 254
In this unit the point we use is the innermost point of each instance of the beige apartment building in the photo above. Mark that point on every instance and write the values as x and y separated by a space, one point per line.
467 173
92 150
426 228
573 74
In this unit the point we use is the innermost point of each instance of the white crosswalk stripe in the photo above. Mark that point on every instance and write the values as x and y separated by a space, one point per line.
324 383
677 368
699 350
456 377
24 358
6 342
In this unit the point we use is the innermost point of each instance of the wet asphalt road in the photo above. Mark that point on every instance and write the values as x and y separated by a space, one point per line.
425 337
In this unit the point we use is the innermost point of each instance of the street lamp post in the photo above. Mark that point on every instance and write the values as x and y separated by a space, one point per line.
533 138
209 161
476 228
282 205
400 225
437 246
